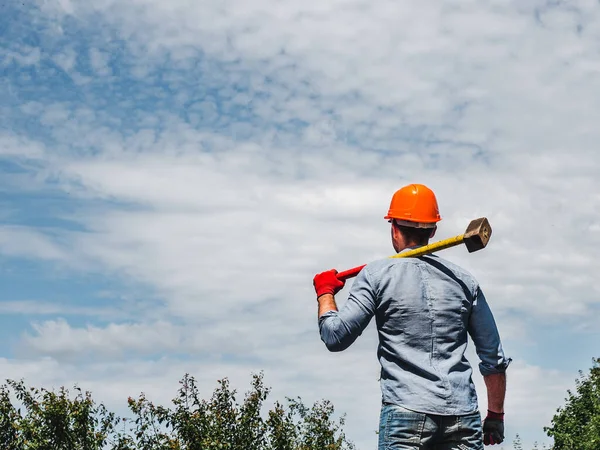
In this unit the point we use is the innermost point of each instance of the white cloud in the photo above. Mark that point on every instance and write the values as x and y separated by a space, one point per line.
24 56
56 337
195 204
99 61
19 147
25 242
33 308
422 57
66 60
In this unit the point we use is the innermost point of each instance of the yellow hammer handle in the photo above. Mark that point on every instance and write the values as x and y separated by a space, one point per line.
430 248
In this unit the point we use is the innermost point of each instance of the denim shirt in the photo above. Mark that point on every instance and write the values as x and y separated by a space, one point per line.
424 309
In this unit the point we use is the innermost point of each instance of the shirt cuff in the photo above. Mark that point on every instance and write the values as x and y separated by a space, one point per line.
488 369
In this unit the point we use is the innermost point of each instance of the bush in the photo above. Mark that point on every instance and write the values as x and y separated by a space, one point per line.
55 421
576 425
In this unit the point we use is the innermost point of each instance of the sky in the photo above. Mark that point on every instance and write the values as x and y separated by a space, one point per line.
173 175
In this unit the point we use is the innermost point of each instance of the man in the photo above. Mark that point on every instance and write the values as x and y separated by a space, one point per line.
424 309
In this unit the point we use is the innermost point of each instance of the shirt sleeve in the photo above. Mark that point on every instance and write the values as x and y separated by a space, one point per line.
484 332
339 329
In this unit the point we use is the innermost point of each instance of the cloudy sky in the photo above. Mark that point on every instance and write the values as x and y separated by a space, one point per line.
173 174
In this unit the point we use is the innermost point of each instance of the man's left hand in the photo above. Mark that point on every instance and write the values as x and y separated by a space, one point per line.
493 428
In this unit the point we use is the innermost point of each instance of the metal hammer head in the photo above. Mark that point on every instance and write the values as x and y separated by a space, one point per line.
477 235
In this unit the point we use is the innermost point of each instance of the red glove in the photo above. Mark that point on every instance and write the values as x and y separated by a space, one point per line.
327 283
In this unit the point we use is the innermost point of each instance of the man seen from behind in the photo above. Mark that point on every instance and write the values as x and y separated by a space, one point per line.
424 308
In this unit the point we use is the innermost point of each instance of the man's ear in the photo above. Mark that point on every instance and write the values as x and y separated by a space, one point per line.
433 232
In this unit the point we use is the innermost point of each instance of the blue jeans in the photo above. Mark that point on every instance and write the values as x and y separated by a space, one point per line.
401 429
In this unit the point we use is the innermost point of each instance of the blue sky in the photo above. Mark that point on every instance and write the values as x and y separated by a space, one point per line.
174 174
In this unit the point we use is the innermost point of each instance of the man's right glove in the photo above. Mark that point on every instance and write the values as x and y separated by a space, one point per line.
493 428
327 283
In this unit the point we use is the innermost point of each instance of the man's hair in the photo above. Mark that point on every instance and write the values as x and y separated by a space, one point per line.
419 236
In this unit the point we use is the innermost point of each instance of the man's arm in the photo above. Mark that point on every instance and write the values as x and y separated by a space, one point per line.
484 332
496 391
339 329
493 365
326 304
493 425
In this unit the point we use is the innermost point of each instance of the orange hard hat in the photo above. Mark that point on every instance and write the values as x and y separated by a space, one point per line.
414 205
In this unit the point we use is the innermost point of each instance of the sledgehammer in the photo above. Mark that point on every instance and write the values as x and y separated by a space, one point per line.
475 238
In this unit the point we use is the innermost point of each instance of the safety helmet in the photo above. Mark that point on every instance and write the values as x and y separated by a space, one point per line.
414 205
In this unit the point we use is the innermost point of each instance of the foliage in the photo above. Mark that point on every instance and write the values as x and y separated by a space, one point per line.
576 425
52 420
55 421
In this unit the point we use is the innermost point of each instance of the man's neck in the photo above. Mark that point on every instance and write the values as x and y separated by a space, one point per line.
412 245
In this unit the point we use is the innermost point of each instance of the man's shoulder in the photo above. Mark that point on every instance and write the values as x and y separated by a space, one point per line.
455 268
381 265
378 266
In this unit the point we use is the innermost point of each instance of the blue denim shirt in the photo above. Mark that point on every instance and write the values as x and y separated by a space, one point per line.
424 309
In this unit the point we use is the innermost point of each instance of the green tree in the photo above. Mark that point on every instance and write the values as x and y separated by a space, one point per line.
52 420
222 423
576 425
49 420
9 421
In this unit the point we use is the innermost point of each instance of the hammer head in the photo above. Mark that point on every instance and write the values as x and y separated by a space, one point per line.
477 235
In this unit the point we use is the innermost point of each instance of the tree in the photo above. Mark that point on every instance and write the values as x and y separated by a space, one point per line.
576 425
517 444
222 424
54 421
